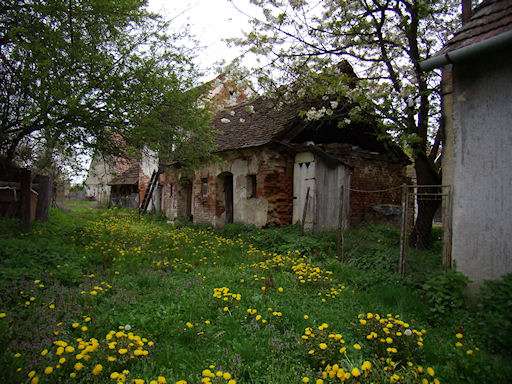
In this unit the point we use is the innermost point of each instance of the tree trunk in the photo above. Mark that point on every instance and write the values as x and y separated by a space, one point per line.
426 174
422 231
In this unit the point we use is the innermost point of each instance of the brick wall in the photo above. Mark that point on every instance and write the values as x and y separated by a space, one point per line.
374 175
276 179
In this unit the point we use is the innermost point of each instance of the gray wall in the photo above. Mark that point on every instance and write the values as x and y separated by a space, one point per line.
480 170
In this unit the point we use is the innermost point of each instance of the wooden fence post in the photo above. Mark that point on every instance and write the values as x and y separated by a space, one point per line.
339 253
44 199
304 213
447 230
403 232
25 199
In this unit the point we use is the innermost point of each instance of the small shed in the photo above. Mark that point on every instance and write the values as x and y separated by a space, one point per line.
268 157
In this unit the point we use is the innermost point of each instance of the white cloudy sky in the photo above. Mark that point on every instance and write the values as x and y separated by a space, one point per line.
210 21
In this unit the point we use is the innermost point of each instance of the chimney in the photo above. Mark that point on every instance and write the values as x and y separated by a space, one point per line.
466 11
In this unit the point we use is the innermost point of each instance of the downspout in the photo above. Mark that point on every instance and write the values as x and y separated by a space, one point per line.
468 52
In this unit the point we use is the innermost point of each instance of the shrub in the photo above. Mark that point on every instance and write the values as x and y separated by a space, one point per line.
445 292
495 313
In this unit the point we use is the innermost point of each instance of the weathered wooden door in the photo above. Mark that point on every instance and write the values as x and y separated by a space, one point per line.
304 203
228 195
188 211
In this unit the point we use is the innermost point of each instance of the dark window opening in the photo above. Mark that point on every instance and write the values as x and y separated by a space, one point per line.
170 190
204 186
251 186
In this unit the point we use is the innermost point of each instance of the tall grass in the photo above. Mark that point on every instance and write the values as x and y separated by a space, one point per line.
183 301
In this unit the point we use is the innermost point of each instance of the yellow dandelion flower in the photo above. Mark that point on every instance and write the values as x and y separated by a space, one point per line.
97 369
430 371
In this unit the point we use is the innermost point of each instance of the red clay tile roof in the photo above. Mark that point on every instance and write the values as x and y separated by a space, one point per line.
491 18
252 124
128 177
261 121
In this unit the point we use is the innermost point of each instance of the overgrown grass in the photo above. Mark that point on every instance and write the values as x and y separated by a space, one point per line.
245 305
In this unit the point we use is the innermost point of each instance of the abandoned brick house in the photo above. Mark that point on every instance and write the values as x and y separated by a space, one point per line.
276 168
123 182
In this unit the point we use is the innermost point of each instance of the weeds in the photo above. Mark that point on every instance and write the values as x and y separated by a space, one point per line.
103 296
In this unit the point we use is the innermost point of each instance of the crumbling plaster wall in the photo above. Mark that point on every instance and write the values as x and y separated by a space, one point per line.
273 201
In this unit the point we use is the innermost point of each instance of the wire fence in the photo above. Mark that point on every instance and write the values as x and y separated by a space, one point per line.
412 208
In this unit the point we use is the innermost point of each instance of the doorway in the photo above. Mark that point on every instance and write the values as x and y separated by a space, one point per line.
225 195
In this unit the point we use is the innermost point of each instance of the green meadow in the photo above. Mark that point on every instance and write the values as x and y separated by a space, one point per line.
105 296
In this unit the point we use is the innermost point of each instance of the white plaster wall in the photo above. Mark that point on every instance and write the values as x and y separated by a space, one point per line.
482 161
148 164
98 176
245 210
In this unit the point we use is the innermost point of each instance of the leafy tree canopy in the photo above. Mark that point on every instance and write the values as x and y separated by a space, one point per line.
94 75
385 40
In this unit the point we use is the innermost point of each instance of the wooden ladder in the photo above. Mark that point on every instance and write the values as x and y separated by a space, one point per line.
149 192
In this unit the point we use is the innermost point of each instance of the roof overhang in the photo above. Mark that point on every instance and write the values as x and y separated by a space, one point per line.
468 52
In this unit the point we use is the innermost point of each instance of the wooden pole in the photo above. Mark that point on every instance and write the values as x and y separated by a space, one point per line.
403 232
44 199
25 192
447 231
339 251
304 213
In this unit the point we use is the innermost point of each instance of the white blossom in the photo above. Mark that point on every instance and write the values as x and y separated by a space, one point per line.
232 113
250 108
224 120
242 120
334 104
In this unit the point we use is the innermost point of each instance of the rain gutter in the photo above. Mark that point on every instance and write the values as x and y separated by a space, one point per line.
468 52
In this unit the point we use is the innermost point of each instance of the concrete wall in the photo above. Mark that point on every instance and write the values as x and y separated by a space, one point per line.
478 166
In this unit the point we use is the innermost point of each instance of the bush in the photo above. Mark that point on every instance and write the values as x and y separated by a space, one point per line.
495 314
445 292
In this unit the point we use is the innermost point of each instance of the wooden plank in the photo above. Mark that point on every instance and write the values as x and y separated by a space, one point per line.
339 253
304 211
403 232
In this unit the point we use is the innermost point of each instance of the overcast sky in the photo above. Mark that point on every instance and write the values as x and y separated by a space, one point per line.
210 21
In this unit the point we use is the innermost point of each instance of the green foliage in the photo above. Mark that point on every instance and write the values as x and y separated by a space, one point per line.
494 302
445 292
95 75
198 296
